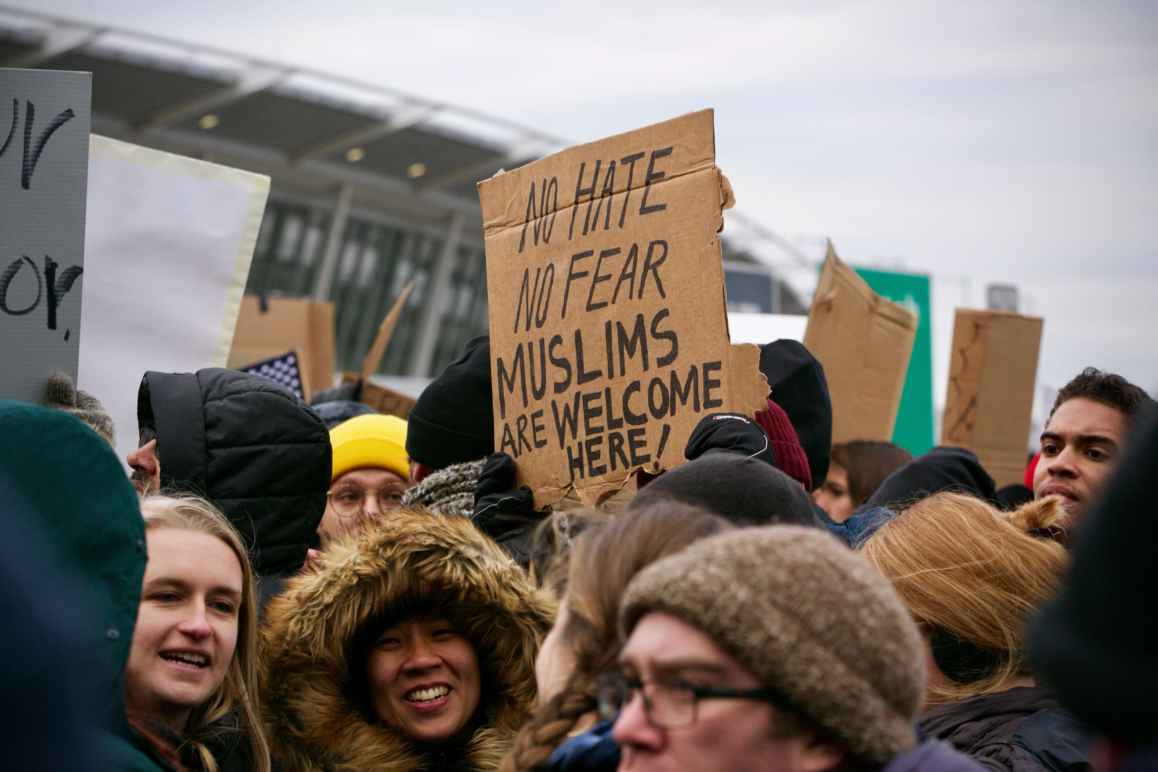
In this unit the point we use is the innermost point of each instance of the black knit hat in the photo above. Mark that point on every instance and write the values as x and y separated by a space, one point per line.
452 420
1096 642
799 386
746 491
941 469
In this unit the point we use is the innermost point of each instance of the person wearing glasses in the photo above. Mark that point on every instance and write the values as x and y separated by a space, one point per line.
771 648
371 472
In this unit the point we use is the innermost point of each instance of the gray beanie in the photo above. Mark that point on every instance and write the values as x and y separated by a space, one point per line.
61 394
809 618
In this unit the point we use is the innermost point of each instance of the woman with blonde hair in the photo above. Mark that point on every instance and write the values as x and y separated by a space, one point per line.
585 640
191 679
972 576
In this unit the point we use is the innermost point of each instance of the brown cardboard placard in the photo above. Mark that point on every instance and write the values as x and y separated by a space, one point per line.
382 399
609 337
989 403
270 327
864 343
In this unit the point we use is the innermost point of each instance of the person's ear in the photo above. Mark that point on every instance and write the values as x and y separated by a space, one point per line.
418 471
818 756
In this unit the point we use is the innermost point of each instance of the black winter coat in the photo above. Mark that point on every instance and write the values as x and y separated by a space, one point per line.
253 449
1019 729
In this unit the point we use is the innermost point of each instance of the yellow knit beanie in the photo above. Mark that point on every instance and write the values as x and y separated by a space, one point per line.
375 441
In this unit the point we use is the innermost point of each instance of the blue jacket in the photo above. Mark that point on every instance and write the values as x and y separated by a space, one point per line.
593 751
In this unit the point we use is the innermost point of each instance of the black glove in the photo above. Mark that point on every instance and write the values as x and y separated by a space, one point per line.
729 433
504 512
497 500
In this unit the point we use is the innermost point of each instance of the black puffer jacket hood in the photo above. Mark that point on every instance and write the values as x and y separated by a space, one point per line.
249 446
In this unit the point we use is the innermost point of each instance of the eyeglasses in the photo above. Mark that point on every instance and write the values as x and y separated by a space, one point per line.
351 501
669 704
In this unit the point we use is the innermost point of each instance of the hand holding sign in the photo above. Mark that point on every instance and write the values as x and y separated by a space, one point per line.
609 337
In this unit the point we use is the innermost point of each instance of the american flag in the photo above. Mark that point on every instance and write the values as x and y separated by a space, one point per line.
282 369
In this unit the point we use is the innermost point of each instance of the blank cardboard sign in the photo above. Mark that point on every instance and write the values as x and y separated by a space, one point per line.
609 338
989 404
864 343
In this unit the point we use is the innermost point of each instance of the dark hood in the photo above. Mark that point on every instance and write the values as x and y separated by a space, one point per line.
452 420
941 469
746 491
249 446
72 563
798 385
1096 642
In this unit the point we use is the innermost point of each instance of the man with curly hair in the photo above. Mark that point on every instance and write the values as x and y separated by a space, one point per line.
1086 429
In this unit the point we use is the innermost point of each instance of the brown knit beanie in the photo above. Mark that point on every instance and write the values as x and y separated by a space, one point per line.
809 618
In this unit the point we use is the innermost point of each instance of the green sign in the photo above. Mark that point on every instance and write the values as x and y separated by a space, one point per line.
914 428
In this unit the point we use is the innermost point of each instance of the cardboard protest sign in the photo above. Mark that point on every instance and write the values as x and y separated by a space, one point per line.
989 404
381 398
268 326
167 253
609 338
914 426
864 343
44 129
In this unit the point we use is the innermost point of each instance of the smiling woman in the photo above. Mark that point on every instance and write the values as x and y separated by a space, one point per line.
418 674
409 645
190 682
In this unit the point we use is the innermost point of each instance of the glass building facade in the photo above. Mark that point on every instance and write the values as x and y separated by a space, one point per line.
377 258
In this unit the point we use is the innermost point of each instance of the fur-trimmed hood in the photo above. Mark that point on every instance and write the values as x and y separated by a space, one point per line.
313 725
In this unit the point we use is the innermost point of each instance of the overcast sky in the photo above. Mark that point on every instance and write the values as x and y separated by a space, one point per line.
977 142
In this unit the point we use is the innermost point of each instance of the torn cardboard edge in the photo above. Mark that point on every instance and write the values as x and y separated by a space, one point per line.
841 275
865 380
514 212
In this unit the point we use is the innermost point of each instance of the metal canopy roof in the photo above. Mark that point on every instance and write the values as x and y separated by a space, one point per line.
312 132
315 134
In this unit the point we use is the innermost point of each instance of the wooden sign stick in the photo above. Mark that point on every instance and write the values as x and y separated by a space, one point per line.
385 331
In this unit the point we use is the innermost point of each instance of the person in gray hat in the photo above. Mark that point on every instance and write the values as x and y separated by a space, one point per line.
771 648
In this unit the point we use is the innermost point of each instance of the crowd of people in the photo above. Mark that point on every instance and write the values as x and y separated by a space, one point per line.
293 587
